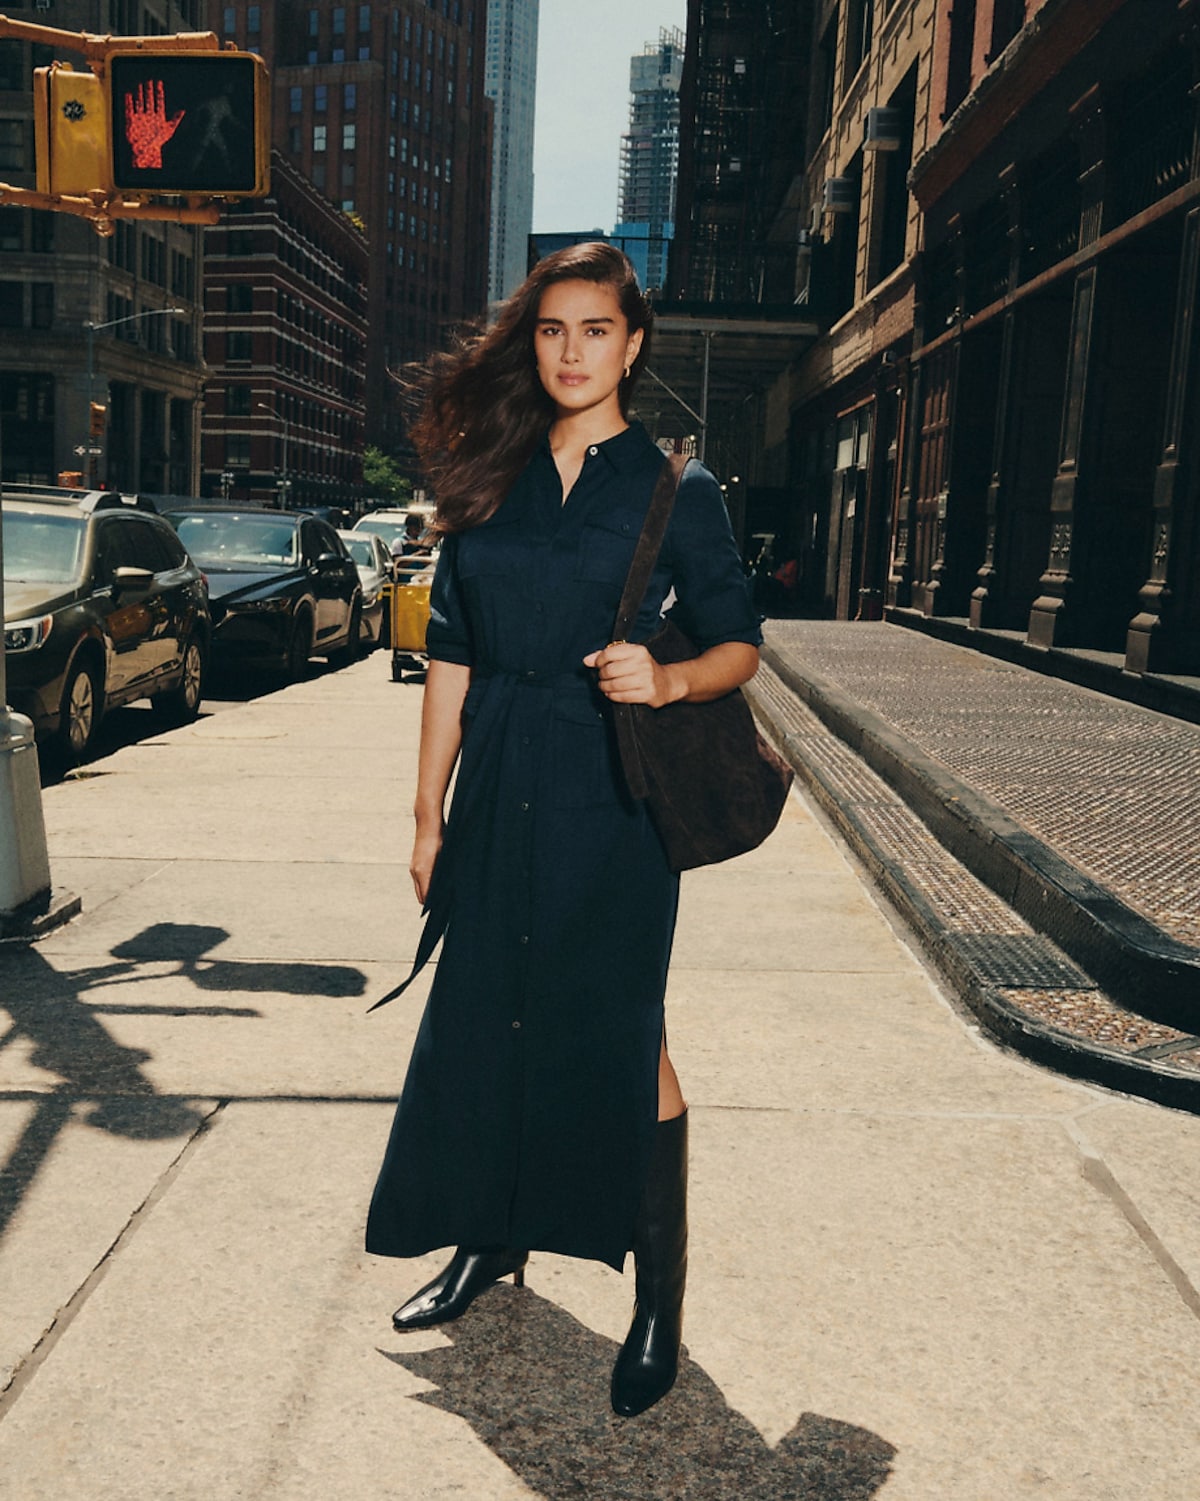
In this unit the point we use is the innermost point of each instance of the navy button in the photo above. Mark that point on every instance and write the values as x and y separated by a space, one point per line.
525 740
524 807
593 450
516 1026
524 937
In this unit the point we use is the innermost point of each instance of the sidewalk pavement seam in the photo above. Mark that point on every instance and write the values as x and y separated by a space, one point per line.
963 957
27 1369
1097 1172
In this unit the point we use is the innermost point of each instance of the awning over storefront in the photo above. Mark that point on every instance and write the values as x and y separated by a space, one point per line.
708 359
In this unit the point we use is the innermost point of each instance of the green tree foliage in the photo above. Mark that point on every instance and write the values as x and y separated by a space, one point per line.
383 480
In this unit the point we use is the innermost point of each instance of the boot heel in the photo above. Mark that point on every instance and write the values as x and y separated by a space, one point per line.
519 1277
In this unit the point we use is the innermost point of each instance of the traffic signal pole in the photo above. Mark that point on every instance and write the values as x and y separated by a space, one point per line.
115 149
25 899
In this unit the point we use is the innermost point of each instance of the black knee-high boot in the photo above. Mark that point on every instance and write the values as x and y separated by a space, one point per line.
649 1358
453 1291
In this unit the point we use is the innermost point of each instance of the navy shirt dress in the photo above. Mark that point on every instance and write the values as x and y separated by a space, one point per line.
531 1098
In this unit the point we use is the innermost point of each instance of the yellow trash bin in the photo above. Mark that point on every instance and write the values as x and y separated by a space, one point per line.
409 617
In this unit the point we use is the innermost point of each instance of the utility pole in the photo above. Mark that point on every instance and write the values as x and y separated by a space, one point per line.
27 906
92 330
284 486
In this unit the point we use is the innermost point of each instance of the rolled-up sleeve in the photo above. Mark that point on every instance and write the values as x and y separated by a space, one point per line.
714 603
448 637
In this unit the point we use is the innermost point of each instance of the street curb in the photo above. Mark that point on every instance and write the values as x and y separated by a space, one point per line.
1136 962
1075 1057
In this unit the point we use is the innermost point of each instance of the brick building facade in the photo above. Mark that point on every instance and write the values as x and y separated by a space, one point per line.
382 108
285 342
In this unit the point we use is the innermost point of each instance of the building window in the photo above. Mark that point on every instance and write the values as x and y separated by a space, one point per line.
229 20
962 52
12 304
320 99
860 23
237 451
349 137
350 96
12 144
240 345
253 19
237 401
319 134
339 20
314 22
43 304
241 298
295 100
12 229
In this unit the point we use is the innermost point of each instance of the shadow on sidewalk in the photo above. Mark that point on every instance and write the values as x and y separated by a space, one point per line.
533 1383
56 1015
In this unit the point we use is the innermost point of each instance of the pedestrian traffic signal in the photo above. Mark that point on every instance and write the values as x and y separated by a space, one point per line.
191 123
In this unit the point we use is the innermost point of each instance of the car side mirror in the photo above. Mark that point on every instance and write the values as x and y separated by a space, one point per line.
131 579
328 560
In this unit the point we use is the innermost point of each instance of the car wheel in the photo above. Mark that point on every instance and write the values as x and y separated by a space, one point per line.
181 704
299 648
80 711
353 646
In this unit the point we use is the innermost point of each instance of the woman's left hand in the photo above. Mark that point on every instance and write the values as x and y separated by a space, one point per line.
628 674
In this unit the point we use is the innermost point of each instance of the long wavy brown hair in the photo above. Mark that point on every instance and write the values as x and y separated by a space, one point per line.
481 406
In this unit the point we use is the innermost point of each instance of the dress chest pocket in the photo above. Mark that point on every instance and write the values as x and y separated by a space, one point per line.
606 547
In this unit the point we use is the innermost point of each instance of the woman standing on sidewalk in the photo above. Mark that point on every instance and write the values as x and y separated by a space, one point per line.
541 1111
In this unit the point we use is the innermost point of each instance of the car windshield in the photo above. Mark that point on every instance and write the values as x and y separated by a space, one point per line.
230 541
361 550
42 548
388 530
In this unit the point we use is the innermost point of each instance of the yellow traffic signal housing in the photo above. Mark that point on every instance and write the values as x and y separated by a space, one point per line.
189 123
98 416
71 131
153 123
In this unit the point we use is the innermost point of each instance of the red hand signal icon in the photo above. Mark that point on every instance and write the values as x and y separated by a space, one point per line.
147 128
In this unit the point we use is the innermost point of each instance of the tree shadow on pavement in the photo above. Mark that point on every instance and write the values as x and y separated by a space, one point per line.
532 1381
55 1014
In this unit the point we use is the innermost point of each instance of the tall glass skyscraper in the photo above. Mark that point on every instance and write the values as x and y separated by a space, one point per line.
650 157
510 80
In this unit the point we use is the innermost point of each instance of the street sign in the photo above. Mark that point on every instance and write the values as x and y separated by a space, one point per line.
83 449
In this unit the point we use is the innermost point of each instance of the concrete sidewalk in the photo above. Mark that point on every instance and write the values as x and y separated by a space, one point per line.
921 1269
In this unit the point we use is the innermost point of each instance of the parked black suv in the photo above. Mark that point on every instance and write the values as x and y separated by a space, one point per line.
102 606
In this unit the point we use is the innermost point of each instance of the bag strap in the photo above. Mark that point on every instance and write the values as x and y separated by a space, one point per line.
649 544
637 581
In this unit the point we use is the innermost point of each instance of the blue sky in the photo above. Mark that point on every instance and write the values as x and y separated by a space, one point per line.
584 49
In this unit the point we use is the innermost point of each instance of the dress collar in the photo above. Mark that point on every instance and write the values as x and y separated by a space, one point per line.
624 451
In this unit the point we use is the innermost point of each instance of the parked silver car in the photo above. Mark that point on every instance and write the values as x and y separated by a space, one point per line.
374 564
